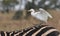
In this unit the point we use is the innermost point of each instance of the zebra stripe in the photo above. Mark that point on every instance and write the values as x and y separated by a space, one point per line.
59 35
3 33
18 33
38 30
49 31
28 31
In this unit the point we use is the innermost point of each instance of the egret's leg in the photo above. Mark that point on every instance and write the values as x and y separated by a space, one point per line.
42 22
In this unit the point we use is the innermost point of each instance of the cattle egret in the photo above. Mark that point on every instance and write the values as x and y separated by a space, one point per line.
40 15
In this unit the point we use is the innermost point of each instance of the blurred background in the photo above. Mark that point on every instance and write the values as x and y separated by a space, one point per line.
14 14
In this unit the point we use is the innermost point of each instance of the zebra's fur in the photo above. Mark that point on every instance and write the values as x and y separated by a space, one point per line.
38 30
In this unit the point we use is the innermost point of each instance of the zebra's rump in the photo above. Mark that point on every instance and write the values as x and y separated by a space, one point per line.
38 30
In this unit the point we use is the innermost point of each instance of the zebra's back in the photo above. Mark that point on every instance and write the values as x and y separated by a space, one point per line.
38 30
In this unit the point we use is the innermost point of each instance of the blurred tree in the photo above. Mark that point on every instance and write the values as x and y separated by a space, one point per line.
7 4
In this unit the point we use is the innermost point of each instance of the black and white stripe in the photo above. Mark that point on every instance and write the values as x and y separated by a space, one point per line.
38 30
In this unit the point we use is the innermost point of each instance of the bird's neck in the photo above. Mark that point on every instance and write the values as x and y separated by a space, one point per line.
33 13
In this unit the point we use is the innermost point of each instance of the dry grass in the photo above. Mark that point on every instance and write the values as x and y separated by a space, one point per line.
7 24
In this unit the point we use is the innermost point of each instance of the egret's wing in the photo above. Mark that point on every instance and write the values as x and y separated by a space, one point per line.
43 11
49 14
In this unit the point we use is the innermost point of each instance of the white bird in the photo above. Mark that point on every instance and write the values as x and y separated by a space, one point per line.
41 14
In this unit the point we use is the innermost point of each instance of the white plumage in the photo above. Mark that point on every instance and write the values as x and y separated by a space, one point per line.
45 13
41 14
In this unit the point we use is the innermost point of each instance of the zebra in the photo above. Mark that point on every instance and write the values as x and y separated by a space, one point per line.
37 30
